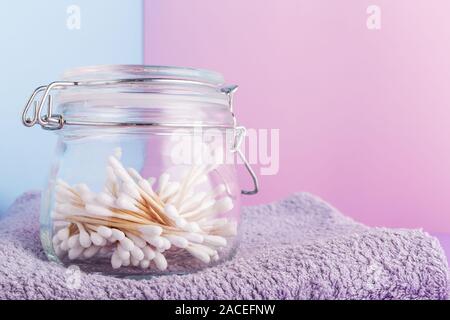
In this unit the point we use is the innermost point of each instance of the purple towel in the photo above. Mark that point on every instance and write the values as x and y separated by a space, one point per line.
298 248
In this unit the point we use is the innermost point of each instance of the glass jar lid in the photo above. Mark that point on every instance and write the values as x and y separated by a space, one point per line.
137 95
133 95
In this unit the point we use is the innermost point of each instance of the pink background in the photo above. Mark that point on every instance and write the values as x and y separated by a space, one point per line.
364 115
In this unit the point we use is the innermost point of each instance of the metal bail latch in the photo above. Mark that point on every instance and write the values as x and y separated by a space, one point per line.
50 121
239 134
38 99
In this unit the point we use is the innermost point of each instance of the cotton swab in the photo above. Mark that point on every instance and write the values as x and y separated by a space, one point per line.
160 261
63 234
199 254
116 261
91 251
75 252
137 224
144 264
177 241
123 253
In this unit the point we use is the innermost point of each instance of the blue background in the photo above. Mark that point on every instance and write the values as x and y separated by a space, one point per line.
37 46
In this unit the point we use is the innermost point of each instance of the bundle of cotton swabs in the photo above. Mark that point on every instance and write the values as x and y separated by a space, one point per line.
139 223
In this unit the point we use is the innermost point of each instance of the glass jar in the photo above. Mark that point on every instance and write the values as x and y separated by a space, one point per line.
144 178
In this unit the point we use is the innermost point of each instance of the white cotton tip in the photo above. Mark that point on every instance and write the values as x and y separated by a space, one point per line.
193 227
170 190
97 239
110 175
63 234
111 239
119 170
59 252
194 237
104 231
58 225
126 263
150 230
117 234
162 182
181 223
105 199
104 251
129 188
177 241
59 198
55 240
160 261
214 223
117 152
208 250
216 241
68 209
85 239
204 209
74 241
64 245
125 202
138 241
98 211
144 264
85 193
152 181
215 257
155 241
134 174
166 244
223 205
116 262
199 254
228 230
220 189
134 262
62 183
192 202
137 253
127 244
207 204
174 187
90 252
64 192
198 180
146 186
149 253
171 211
82 189
123 253
75 252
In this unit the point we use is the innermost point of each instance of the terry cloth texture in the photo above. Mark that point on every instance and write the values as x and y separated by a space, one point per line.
298 248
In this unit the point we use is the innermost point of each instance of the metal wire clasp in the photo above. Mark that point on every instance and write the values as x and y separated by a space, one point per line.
239 134
38 99
50 121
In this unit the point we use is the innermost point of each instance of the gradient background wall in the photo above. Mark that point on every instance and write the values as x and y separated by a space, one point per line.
364 115
36 48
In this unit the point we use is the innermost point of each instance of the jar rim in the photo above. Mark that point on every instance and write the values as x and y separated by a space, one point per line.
136 71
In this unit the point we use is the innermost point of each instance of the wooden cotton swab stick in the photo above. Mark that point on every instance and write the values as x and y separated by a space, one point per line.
126 178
